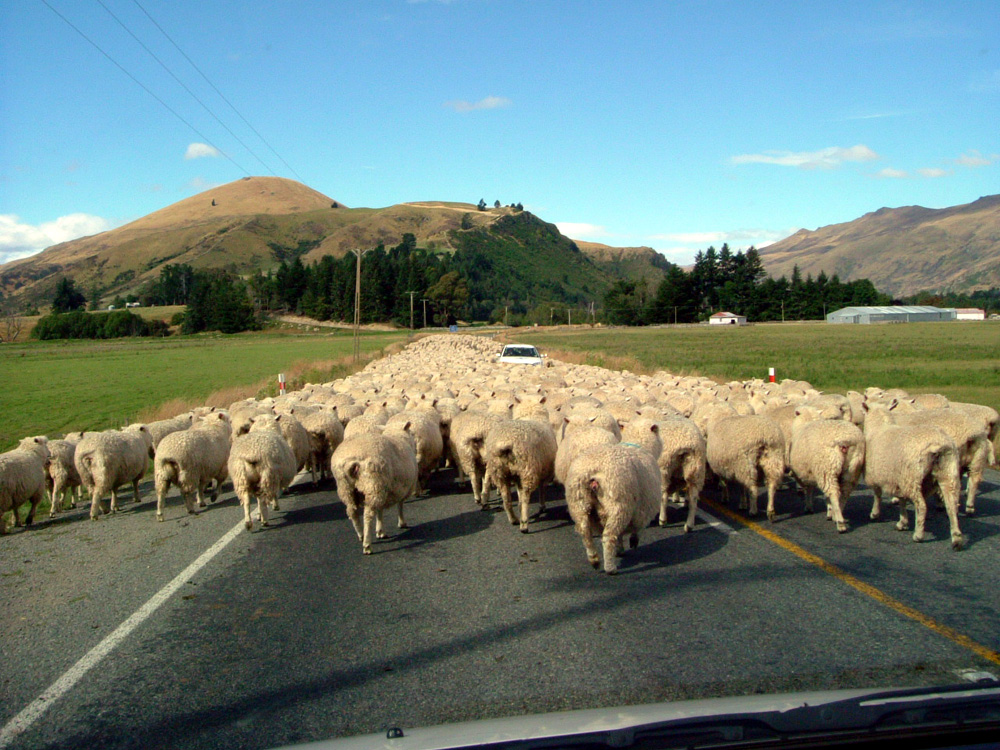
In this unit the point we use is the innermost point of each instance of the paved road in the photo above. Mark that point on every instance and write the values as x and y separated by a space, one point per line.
289 634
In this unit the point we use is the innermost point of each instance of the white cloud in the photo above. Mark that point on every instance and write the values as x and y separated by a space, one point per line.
738 238
490 102
827 158
581 231
200 150
933 172
200 184
19 240
893 174
975 159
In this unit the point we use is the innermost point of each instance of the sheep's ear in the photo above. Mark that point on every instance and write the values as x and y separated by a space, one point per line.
655 428
893 404
798 412
591 419
406 427
566 420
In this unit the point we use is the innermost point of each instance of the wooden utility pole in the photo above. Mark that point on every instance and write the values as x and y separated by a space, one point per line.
357 303
411 308
424 300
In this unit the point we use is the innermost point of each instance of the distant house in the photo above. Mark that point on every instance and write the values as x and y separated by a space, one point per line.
891 314
970 313
727 319
133 304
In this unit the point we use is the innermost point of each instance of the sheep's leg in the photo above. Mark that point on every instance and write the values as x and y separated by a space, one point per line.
876 504
114 500
920 506
354 513
245 502
524 500
692 503
379 527
751 494
477 487
35 500
200 497
274 504
369 522
972 487
586 532
95 504
505 494
135 491
663 508
541 498
951 508
160 501
56 499
401 521
262 503
189 501
904 520
835 505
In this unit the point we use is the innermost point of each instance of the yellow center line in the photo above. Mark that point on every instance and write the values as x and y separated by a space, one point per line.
867 589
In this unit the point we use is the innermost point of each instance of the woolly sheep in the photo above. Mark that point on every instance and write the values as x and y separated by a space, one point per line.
295 435
261 464
467 441
325 434
192 459
374 472
748 450
902 459
61 477
682 465
612 491
576 442
828 454
106 460
160 429
425 427
520 452
22 478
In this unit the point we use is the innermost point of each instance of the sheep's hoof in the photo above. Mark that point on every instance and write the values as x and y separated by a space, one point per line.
842 527
595 561
958 542
771 516
248 525
688 528
663 522
367 550
159 517
404 525
94 518
524 528
201 504
633 541
265 523
612 572
275 505
970 511
900 526
919 537
381 535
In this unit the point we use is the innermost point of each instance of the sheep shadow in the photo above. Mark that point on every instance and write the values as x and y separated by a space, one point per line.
457 526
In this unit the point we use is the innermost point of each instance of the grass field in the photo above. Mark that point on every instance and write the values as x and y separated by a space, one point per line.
958 359
52 387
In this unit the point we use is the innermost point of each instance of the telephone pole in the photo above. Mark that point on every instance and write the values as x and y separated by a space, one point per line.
357 303
424 300
411 308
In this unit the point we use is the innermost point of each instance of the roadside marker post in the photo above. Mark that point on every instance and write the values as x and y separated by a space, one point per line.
281 383
770 374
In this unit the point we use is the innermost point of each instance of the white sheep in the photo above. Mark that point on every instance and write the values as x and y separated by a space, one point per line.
374 472
425 427
192 459
261 464
325 434
106 460
681 458
522 453
62 479
22 478
748 450
160 429
612 490
578 441
467 441
902 459
828 454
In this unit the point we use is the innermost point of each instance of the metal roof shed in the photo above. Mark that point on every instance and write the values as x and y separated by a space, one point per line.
893 314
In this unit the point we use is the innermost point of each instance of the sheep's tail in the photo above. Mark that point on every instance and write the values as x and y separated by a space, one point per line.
170 469
86 468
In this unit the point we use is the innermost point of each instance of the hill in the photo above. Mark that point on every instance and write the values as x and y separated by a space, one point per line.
902 250
255 223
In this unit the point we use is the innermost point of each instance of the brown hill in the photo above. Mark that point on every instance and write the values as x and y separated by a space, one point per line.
636 263
902 250
243 226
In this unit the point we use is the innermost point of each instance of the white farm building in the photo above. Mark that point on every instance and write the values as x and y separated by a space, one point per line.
894 314
970 313
727 319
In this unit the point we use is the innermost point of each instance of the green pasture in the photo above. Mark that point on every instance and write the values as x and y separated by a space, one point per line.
53 387
958 359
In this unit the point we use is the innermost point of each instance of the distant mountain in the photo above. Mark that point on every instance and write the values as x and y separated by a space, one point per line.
902 250
256 222
635 263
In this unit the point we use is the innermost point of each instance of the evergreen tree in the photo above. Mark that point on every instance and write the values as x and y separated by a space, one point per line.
68 297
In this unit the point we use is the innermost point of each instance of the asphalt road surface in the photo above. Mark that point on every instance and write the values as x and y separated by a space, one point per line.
289 634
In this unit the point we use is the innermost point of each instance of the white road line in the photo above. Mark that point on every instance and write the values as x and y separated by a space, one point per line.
711 520
20 723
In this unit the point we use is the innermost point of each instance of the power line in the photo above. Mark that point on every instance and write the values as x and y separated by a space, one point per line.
182 84
144 87
221 95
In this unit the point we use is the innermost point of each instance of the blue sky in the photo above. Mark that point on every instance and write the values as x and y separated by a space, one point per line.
670 124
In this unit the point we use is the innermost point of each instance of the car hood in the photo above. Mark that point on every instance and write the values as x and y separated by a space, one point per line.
733 722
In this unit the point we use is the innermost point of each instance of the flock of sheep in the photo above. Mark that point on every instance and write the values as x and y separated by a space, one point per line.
625 447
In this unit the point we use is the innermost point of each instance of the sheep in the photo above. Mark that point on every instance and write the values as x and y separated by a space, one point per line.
975 451
828 454
22 478
160 429
191 459
612 490
903 460
467 440
293 431
989 418
374 472
425 427
61 477
106 460
682 465
748 450
520 452
261 464
576 442
365 423
325 434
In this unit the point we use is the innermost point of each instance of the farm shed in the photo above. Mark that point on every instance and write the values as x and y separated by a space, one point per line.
727 319
894 314
970 313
